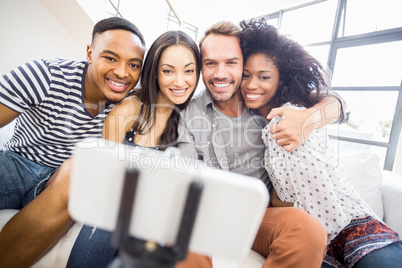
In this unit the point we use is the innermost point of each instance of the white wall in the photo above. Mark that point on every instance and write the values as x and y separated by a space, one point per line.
29 31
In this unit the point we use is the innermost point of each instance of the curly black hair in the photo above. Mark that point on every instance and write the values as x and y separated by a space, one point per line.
304 80
116 23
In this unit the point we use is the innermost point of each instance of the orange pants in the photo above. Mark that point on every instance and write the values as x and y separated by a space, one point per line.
288 237
195 260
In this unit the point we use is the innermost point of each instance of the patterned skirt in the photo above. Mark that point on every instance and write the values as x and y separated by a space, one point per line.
357 239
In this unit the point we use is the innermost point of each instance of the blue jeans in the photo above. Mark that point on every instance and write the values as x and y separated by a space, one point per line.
92 248
387 257
21 180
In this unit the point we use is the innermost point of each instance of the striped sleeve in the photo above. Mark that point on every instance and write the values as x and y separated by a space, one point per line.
25 86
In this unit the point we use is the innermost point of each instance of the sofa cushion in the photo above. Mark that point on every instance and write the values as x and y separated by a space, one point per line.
365 174
58 255
253 260
391 189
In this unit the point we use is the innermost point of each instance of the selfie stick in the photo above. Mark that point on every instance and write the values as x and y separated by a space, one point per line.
140 253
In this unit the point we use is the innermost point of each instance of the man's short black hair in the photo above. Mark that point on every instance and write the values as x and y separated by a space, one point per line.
116 23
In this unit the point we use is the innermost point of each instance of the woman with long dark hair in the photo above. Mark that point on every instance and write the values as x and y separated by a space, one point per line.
148 117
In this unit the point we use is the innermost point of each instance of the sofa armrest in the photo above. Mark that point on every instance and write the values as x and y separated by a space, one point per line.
391 189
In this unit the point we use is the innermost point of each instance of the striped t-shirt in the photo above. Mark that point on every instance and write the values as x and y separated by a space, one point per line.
48 94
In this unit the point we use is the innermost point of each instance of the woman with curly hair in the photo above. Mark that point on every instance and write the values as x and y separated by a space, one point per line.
279 72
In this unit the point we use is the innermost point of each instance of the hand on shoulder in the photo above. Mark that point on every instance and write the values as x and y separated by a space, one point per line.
294 127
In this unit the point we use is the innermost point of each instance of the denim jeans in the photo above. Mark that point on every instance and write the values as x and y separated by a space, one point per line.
387 257
21 180
92 248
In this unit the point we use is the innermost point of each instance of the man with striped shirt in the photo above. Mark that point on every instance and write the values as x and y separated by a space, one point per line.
57 103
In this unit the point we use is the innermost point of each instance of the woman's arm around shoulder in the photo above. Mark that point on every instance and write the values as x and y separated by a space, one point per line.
121 119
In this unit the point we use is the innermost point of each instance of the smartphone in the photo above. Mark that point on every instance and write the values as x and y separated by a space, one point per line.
230 209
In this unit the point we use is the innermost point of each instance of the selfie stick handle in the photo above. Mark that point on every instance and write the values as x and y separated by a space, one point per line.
140 253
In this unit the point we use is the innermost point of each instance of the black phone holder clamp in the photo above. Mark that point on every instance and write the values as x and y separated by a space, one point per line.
135 252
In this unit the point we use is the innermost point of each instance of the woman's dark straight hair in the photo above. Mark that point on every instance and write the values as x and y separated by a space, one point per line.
150 87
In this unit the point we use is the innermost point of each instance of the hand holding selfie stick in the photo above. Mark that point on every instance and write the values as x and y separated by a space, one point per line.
140 253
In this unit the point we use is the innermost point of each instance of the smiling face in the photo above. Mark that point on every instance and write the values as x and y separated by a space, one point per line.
177 76
115 61
260 82
222 66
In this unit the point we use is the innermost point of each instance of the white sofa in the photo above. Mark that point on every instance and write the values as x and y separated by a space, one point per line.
382 190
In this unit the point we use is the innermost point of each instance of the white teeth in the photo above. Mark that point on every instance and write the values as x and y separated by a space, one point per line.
221 85
179 91
116 84
253 96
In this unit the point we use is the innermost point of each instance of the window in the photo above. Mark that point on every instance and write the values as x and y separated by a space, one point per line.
375 16
319 52
363 49
369 65
310 24
372 119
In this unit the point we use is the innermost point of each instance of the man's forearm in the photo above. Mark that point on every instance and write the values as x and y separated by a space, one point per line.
327 111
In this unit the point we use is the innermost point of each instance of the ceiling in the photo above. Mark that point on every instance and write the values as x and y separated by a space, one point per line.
151 15
207 12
